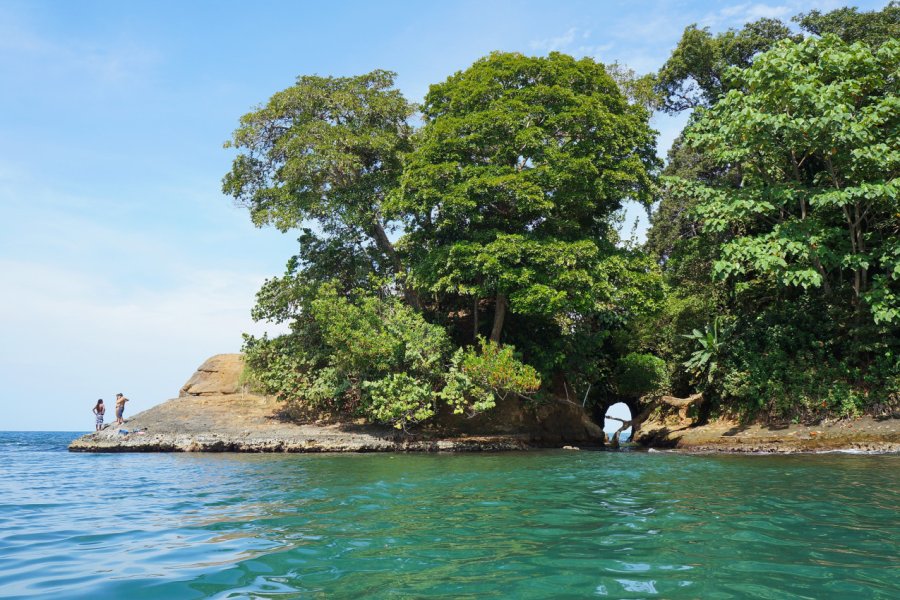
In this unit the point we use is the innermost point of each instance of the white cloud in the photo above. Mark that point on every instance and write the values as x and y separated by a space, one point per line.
117 292
575 41
640 63
739 14
560 42
85 339
596 50
113 62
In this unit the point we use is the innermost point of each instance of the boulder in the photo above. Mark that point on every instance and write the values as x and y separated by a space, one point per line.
218 376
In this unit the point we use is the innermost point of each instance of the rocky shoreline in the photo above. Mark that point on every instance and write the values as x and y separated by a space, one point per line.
215 413
865 434
319 440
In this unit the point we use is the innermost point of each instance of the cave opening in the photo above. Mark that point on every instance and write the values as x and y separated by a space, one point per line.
617 415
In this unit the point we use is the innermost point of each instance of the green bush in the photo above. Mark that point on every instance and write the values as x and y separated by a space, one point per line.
479 374
377 358
795 362
359 355
400 400
639 374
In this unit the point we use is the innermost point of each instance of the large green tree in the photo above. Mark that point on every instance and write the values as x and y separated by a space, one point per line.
798 315
695 74
872 27
805 229
518 169
504 204
815 135
327 151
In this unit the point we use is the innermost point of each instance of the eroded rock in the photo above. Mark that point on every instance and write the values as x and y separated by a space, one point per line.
219 375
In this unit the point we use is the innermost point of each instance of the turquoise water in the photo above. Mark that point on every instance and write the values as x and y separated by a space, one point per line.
550 524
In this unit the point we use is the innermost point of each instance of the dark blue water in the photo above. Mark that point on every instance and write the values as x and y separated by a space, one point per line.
524 525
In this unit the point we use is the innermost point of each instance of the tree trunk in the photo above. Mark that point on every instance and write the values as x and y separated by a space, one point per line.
475 321
861 245
384 244
499 316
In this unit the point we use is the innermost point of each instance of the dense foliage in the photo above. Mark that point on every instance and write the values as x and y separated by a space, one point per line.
375 357
507 197
781 217
474 256
640 374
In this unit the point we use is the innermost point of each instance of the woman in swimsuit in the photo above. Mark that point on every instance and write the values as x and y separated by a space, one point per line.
99 410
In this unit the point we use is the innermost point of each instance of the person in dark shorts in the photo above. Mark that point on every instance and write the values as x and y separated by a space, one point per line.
99 410
120 408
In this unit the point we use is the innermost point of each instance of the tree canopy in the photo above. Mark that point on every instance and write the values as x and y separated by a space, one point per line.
466 251
517 171
696 73
777 229
815 134
327 150
502 203
872 28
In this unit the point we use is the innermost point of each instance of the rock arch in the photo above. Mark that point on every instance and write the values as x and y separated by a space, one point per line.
641 408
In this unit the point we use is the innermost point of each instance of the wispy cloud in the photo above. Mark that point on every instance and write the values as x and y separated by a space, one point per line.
739 14
551 44
91 340
576 41
595 50
101 298
113 61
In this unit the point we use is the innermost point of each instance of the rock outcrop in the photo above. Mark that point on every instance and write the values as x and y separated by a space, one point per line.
667 425
215 413
220 375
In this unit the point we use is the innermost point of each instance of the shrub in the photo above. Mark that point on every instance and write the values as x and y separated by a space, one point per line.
479 374
400 400
639 374
377 358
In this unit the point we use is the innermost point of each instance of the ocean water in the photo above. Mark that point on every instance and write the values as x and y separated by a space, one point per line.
553 524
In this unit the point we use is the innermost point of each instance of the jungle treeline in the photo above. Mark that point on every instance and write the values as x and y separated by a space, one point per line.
467 249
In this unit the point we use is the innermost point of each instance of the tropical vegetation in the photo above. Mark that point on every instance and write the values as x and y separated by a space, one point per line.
466 251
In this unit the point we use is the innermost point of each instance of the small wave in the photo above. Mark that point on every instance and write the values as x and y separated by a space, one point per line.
855 451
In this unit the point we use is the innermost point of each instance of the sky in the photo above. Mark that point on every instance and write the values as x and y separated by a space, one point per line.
122 265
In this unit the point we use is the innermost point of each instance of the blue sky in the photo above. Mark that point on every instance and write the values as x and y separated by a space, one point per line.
122 266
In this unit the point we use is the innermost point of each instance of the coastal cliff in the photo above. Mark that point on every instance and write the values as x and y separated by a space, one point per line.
216 413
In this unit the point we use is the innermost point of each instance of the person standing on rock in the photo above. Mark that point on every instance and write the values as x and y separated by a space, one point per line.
120 408
99 410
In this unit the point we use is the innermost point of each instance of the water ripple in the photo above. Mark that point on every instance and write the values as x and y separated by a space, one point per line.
540 525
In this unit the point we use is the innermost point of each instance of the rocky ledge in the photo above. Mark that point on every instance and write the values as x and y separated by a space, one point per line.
215 413
667 426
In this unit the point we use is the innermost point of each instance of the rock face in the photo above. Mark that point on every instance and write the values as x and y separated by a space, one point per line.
218 376
215 413
669 427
